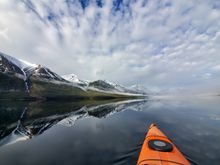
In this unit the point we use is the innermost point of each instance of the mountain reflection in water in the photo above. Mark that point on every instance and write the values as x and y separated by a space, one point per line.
103 132
37 117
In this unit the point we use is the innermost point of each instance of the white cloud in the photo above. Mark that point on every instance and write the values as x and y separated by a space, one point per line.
216 68
154 43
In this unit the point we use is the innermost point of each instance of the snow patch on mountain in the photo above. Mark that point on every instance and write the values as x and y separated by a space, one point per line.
27 64
74 79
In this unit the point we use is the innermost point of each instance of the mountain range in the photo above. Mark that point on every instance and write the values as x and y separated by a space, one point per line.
20 79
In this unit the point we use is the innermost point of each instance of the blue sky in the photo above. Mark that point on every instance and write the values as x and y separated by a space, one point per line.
169 44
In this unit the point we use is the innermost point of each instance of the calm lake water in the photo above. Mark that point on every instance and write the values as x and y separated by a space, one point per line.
105 133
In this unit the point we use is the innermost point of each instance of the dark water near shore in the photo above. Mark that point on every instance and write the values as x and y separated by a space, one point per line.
105 133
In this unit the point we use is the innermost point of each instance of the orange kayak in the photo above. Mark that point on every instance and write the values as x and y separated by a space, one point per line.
157 149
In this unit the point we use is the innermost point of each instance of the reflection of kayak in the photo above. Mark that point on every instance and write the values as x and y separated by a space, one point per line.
157 149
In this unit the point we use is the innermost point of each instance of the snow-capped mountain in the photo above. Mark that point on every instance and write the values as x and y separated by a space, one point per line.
11 64
74 79
26 69
105 86
112 87
44 72
139 89
29 80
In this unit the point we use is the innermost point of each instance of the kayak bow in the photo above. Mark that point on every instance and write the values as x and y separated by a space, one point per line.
157 149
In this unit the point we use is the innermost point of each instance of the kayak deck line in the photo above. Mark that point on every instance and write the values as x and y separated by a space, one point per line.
158 137
156 160
157 149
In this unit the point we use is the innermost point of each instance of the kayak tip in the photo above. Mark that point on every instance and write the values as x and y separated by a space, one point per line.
152 125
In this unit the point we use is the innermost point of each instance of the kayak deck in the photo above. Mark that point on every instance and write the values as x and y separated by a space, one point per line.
157 149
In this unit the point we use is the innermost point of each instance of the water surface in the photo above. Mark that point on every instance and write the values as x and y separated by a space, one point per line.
106 133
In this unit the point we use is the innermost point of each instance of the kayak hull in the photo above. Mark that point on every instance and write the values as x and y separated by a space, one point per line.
157 149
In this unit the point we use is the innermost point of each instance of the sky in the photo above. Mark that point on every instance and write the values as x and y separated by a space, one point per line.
160 44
